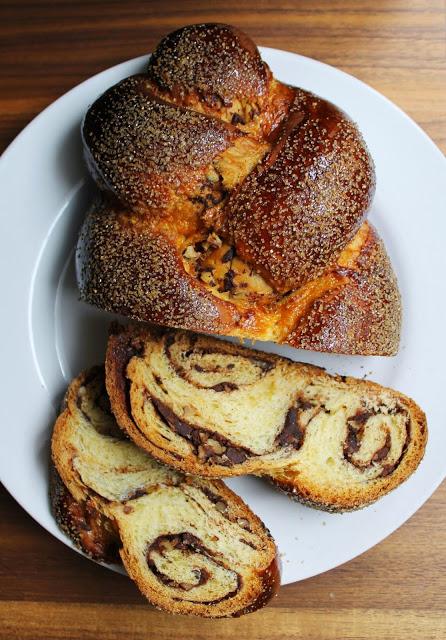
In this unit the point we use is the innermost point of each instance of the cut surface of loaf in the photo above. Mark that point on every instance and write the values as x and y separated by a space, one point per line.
234 204
191 545
215 409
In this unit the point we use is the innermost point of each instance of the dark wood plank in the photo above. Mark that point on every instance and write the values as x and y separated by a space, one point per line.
398 47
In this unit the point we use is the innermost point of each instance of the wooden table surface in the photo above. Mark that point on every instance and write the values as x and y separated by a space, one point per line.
395 590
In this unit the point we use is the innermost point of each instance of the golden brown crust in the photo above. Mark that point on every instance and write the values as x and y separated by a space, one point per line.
128 269
299 208
363 316
270 581
223 65
139 273
147 152
207 141
126 343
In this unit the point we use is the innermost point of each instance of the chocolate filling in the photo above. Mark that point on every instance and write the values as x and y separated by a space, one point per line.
159 382
229 255
235 455
228 280
361 417
192 545
224 386
213 497
382 453
95 534
137 493
263 364
293 433
100 399
237 119
209 446
389 468
355 433
212 193
170 339
184 542
248 544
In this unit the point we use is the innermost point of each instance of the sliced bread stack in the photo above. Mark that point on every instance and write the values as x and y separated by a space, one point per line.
139 448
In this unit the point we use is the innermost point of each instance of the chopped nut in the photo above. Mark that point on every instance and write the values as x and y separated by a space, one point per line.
214 241
202 453
216 446
221 506
190 253
244 523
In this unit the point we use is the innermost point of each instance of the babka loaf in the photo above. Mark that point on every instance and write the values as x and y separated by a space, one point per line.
212 408
234 204
191 545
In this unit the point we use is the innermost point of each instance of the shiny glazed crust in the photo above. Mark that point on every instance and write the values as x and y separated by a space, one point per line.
363 315
223 65
105 492
296 211
336 444
137 272
218 147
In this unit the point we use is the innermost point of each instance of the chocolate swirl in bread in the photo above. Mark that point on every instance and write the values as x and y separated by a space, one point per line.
88 528
192 546
217 409
234 204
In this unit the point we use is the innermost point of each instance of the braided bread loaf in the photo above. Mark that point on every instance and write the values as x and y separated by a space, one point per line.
232 203
192 546
215 409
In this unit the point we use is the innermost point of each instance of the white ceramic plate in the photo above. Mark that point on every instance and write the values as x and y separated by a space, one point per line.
47 336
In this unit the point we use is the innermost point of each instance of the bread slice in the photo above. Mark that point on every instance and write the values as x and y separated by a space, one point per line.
215 409
191 545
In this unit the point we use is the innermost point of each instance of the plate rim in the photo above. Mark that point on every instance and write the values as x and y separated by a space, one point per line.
45 113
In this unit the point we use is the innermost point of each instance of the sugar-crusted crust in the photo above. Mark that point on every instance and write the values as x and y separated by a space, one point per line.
281 464
296 211
99 525
144 149
137 272
223 65
363 315
284 177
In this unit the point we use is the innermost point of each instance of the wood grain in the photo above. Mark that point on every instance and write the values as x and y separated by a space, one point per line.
396 590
